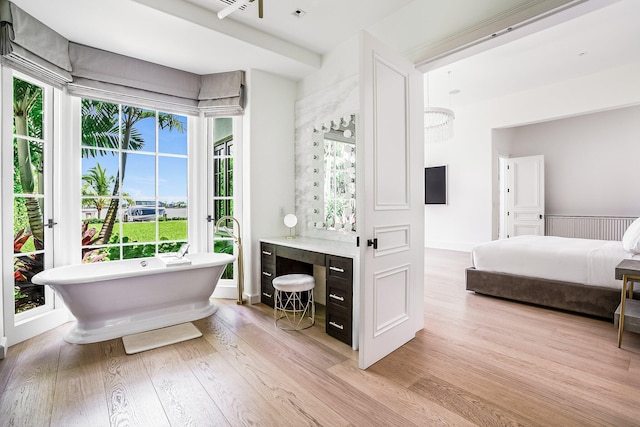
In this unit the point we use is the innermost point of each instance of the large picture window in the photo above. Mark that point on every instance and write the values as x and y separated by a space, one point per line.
134 181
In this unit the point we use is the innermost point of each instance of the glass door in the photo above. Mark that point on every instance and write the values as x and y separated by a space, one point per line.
224 215
28 225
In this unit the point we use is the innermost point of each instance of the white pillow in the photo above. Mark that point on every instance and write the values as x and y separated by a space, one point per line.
631 238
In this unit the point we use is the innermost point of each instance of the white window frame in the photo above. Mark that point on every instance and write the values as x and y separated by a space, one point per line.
25 325
226 288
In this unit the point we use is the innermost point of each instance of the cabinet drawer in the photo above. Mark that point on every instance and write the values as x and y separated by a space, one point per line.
339 294
267 294
268 254
339 326
267 274
339 268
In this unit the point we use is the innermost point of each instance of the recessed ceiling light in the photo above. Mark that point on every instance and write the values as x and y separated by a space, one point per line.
299 13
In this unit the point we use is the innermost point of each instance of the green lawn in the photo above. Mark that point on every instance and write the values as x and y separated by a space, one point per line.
146 231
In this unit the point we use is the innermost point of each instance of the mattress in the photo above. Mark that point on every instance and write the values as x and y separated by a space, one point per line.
585 261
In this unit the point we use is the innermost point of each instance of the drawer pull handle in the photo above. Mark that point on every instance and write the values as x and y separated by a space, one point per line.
335 325
339 270
267 295
266 274
266 253
334 296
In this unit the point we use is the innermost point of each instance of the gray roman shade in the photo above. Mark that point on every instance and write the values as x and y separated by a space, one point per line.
112 77
28 45
118 78
32 47
222 94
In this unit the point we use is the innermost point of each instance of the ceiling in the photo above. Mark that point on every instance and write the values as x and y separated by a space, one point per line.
187 34
605 38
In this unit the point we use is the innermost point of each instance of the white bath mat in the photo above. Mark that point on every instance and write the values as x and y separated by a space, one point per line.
160 337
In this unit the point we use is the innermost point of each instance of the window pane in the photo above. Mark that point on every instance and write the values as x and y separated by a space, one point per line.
143 229
172 229
225 247
138 251
26 294
138 129
99 172
172 136
28 224
96 207
172 177
28 167
163 248
100 125
27 120
138 176
92 254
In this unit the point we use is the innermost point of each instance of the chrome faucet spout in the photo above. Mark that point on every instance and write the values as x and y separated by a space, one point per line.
224 218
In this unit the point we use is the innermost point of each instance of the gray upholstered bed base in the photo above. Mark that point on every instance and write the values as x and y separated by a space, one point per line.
591 300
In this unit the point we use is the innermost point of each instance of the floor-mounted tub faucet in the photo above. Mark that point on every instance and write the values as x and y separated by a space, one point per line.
238 241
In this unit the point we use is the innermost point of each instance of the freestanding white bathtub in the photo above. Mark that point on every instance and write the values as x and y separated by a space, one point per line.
118 298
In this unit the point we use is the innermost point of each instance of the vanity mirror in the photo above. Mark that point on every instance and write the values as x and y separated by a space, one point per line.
333 202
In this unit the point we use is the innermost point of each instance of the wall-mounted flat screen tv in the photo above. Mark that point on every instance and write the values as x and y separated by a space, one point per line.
435 185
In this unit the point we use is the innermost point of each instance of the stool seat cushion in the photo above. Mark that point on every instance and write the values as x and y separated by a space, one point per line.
294 282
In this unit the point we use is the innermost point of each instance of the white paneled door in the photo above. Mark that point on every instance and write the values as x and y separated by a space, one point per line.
391 198
525 196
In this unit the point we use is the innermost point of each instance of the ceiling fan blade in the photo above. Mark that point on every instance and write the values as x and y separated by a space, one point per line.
232 8
260 9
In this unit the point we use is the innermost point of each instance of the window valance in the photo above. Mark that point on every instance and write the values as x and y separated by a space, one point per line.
30 46
222 93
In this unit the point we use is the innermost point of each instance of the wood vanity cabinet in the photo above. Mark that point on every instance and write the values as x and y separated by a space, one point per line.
268 273
339 297
276 260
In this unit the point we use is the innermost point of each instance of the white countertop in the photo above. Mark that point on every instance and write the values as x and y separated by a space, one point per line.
331 247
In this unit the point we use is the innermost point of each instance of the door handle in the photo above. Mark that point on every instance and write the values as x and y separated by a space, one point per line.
373 242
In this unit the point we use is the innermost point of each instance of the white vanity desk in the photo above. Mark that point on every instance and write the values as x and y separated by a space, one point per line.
337 261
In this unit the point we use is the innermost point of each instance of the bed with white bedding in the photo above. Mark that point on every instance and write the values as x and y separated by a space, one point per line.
565 273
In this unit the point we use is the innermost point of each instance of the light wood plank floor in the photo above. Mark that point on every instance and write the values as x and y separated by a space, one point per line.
479 361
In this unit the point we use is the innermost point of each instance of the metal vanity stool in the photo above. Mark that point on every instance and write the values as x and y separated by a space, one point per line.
294 308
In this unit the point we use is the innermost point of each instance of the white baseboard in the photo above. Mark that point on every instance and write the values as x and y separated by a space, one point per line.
3 347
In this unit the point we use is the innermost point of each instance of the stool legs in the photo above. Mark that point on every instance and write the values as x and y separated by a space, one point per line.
290 310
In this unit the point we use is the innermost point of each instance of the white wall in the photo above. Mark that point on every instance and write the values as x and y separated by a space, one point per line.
269 166
591 162
469 218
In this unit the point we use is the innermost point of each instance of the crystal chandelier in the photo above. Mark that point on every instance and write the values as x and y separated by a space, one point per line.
438 122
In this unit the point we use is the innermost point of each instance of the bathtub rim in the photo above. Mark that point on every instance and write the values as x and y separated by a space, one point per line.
55 276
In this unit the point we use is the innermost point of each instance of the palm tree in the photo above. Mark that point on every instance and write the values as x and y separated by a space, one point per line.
27 114
96 184
102 131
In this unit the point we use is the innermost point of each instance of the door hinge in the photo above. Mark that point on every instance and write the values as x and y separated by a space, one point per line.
358 241
508 213
373 242
50 223
508 190
209 218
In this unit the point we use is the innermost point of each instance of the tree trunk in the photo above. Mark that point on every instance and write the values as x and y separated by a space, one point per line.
27 181
112 212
